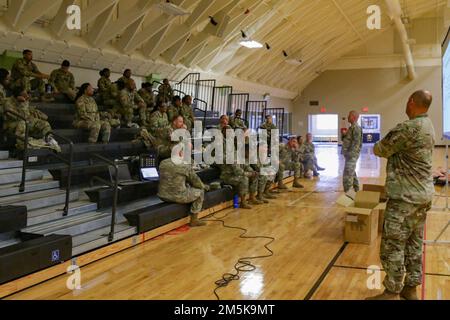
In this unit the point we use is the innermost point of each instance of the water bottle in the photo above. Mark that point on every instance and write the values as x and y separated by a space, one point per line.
236 201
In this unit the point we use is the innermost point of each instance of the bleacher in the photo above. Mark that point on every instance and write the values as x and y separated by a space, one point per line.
59 206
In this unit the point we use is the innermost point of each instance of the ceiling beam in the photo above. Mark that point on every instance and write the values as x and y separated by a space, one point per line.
14 12
131 32
201 12
100 24
58 24
33 11
115 28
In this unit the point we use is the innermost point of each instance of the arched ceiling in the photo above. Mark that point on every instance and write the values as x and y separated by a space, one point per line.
140 35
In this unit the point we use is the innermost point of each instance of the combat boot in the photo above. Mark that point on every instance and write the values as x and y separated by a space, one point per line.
297 184
281 185
244 204
409 293
253 199
260 198
386 295
195 222
268 195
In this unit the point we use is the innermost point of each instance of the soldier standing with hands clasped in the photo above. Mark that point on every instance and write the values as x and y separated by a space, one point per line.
409 187
351 149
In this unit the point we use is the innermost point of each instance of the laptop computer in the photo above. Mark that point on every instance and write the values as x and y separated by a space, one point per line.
150 174
124 176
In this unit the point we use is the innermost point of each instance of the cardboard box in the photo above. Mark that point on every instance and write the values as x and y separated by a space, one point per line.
361 221
376 188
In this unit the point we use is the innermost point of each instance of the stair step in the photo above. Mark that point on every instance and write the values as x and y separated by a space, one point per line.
9 163
4 155
8 176
9 242
40 199
31 186
53 213
97 238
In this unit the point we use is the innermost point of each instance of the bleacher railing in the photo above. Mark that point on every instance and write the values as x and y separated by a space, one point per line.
115 186
69 163
188 84
237 101
221 99
205 91
254 113
278 113
25 148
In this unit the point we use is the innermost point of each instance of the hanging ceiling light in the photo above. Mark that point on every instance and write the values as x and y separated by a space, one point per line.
249 43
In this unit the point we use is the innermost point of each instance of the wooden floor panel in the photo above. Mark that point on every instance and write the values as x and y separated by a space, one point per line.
308 227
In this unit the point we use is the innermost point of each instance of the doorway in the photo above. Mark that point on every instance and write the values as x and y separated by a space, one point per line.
324 127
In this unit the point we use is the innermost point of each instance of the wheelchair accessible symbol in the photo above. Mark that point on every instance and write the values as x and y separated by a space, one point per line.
55 256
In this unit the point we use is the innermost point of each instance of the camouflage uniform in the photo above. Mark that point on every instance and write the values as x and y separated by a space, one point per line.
64 82
410 189
307 153
269 127
129 101
125 80
351 149
166 92
289 161
185 111
158 125
237 123
2 99
88 117
37 124
180 184
264 180
148 98
108 92
235 175
21 74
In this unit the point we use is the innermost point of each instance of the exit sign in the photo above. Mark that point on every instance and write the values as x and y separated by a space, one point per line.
365 109
323 110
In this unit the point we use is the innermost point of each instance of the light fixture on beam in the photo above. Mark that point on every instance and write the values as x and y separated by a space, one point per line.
251 44
295 62
173 9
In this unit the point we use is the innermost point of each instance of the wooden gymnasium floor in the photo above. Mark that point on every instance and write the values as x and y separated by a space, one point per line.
308 227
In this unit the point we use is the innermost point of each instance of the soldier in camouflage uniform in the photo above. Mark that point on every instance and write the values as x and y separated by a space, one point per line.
265 178
180 184
88 117
174 108
4 83
147 95
289 161
38 125
309 159
25 75
351 149
223 122
159 124
165 91
409 187
236 176
187 113
236 122
269 126
129 101
63 81
126 77
107 90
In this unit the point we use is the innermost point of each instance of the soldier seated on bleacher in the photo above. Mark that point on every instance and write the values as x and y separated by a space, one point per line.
126 77
63 81
180 184
4 85
107 91
129 100
87 116
236 121
25 75
146 93
174 108
224 122
165 91
38 125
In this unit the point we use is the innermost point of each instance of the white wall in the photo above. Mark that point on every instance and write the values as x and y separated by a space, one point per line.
383 91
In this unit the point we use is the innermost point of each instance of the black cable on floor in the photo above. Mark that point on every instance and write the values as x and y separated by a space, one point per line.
243 264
